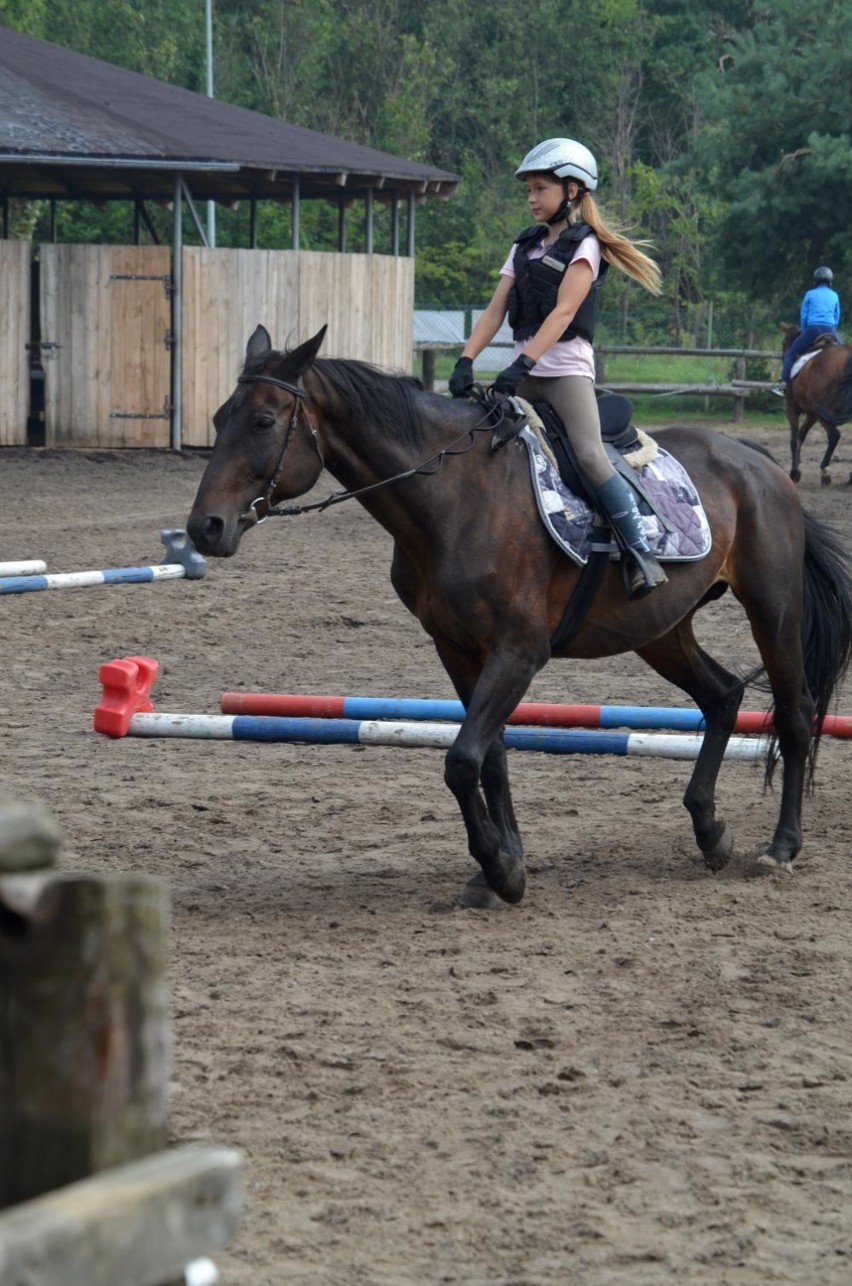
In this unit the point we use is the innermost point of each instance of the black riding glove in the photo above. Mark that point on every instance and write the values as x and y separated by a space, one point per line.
509 379
461 380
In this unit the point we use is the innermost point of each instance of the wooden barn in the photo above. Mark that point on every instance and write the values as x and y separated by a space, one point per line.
138 344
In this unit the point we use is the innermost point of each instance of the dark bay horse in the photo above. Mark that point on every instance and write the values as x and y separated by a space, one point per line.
474 564
821 391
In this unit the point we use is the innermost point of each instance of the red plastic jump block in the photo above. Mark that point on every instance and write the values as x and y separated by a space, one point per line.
126 687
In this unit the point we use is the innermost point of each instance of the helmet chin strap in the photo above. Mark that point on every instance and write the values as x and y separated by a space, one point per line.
562 213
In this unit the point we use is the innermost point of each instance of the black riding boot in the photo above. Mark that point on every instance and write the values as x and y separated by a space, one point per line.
642 571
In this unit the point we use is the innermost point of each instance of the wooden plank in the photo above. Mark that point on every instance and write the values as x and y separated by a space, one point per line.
48 304
226 294
137 1225
393 312
683 390
138 314
648 350
15 311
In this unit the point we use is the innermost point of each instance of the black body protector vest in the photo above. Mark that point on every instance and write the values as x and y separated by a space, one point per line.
537 282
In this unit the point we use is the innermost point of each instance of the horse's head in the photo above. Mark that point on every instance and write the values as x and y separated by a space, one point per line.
266 448
789 333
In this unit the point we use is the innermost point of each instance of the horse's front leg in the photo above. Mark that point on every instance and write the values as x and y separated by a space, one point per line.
498 797
478 756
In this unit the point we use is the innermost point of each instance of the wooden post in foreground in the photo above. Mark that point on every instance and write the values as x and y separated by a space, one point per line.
93 1198
84 1016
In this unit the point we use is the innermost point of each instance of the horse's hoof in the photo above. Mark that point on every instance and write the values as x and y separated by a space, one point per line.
797 477
718 857
507 879
476 895
825 480
772 866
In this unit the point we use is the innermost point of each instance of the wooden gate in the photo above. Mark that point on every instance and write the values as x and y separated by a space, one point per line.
367 301
106 336
15 259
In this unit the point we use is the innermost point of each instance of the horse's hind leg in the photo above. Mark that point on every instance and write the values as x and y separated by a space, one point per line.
717 693
764 582
833 435
797 439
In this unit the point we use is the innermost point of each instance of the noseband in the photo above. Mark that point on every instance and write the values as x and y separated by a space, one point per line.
299 394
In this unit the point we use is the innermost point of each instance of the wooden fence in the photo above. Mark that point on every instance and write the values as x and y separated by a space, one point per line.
367 302
737 389
123 338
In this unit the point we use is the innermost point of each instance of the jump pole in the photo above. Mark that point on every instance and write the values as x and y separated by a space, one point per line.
539 714
182 560
29 567
384 732
125 709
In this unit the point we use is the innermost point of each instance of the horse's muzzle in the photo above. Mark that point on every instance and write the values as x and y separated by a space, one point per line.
215 537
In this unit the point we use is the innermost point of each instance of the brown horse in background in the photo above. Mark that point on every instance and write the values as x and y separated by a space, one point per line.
821 391
473 562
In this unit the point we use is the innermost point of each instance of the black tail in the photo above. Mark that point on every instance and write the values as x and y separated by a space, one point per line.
826 618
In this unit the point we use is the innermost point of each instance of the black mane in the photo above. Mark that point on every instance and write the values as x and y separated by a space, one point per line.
392 402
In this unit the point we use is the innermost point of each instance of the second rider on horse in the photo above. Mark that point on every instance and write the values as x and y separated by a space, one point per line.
819 315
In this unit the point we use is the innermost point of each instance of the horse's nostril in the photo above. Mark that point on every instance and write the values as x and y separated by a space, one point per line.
206 531
213 528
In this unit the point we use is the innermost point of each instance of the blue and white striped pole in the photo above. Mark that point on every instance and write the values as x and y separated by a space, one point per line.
182 561
27 567
380 732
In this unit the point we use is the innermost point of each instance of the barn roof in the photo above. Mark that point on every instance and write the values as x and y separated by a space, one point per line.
75 127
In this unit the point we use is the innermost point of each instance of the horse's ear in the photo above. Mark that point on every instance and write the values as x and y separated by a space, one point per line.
301 358
259 344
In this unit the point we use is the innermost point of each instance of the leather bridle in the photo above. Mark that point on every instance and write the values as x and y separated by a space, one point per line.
299 394
426 469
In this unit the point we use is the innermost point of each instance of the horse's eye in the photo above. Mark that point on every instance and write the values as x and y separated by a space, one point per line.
265 421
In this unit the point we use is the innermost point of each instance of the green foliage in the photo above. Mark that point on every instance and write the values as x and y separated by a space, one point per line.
786 168
721 130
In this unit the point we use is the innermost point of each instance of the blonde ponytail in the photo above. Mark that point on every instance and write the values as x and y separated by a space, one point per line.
619 250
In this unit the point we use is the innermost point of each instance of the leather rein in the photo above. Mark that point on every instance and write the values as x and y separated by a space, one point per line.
427 468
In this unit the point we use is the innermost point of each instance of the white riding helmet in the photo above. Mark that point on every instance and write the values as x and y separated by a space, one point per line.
562 157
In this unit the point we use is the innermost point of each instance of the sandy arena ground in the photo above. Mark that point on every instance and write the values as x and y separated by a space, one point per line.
641 1075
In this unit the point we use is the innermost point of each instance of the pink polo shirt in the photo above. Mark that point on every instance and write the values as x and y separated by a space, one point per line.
571 356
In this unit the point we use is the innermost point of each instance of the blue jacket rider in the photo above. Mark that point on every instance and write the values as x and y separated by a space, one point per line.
819 315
